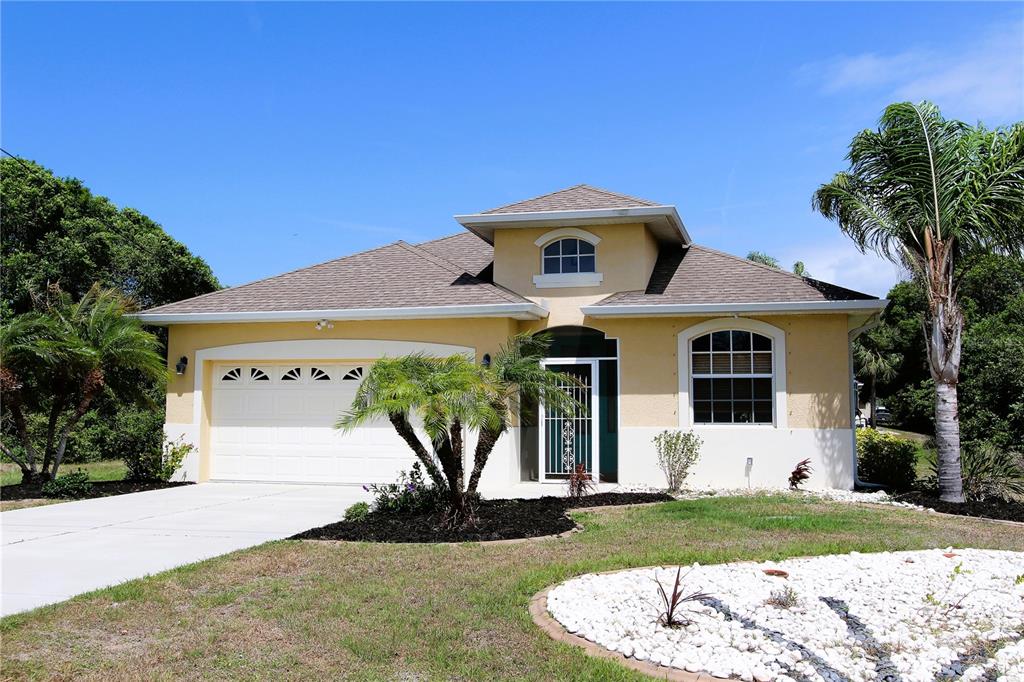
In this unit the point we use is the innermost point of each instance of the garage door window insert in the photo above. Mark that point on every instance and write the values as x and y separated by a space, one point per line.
732 374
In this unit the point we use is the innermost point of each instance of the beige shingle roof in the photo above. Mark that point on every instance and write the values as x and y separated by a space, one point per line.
465 249
577 198
700 275
394 276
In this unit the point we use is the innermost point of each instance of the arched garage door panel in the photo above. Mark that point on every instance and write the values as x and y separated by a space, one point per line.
275 422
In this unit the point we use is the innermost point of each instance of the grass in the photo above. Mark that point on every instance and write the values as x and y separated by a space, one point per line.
302 610
99 471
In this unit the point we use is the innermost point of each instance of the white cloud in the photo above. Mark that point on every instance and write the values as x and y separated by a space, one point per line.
839 262
983 79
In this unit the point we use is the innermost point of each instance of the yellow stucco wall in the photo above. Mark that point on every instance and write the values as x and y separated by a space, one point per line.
625 257
816 348
817 366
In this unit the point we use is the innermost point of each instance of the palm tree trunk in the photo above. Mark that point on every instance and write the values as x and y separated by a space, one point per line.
56 407
484 445
91 387
947 440
408 434
29 474
944 343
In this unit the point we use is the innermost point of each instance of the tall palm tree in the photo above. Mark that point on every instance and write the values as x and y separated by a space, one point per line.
446 395
61 357
924 192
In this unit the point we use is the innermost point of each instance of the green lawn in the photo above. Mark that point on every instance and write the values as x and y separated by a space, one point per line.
307 610
102 470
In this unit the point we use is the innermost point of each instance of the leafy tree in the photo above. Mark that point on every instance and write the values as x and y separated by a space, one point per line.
925 192
800 269
764 259
57 231
445 395
78 351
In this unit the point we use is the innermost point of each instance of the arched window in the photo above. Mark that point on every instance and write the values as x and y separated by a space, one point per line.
732 375
568 256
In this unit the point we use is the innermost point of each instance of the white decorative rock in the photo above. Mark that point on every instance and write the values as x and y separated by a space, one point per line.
886 593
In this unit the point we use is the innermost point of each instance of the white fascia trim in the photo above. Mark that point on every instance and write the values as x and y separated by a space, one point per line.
567 280
469 221
519 311
682 309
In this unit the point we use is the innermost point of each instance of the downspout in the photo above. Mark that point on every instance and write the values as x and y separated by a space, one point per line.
872 322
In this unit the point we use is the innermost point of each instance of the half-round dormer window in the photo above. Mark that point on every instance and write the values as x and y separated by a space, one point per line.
569 255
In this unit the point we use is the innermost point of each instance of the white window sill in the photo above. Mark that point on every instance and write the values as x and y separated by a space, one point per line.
571 279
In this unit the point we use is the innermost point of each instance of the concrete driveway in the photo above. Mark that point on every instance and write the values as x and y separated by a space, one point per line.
52 553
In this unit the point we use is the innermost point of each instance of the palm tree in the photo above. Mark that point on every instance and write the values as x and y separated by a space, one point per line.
924 192
446 395
875 365
61 357
764 259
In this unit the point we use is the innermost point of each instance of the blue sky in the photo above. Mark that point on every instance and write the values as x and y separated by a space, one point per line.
271 136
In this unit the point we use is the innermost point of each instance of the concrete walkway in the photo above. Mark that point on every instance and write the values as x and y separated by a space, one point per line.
55 552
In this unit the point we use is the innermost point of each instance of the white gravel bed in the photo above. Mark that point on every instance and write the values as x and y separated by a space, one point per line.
830 494
912 616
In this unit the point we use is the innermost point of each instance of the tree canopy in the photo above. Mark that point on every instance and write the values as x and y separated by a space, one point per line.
58 232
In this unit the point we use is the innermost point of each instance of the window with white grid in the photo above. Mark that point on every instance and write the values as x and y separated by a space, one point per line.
732 375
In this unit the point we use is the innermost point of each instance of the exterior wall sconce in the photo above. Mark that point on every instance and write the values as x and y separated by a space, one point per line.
323 324
181 365
486 361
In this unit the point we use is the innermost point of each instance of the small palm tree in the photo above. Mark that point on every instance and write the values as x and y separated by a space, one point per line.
924 192
446 395
63 355
875 365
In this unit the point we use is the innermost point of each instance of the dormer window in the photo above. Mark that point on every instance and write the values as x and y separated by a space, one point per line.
569 256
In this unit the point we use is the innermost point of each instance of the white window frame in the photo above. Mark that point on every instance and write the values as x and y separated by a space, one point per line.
779 404
566 279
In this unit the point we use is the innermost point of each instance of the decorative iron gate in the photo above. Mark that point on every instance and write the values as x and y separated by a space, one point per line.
568 440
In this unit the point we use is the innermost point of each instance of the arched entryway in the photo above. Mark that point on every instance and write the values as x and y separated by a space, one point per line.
593 438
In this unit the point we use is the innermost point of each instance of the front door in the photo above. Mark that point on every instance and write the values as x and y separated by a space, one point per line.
569 441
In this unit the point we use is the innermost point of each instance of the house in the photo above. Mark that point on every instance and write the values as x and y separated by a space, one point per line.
662 333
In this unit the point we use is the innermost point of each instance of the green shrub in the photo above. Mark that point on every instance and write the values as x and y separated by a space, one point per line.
156 465
886 459
988 472
72 485
410 494
357 511
677 453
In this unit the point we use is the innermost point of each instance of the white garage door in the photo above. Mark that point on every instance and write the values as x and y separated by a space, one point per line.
275 422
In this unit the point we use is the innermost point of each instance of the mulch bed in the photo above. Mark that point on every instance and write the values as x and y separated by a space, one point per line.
494 520
990 509
21 491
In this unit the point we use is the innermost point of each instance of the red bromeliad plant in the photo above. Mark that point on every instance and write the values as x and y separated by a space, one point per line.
800 473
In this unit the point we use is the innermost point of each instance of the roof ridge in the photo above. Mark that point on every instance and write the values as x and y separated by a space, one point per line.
539 196
802 278
769 268
436 260
267 279
455 269
612 193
